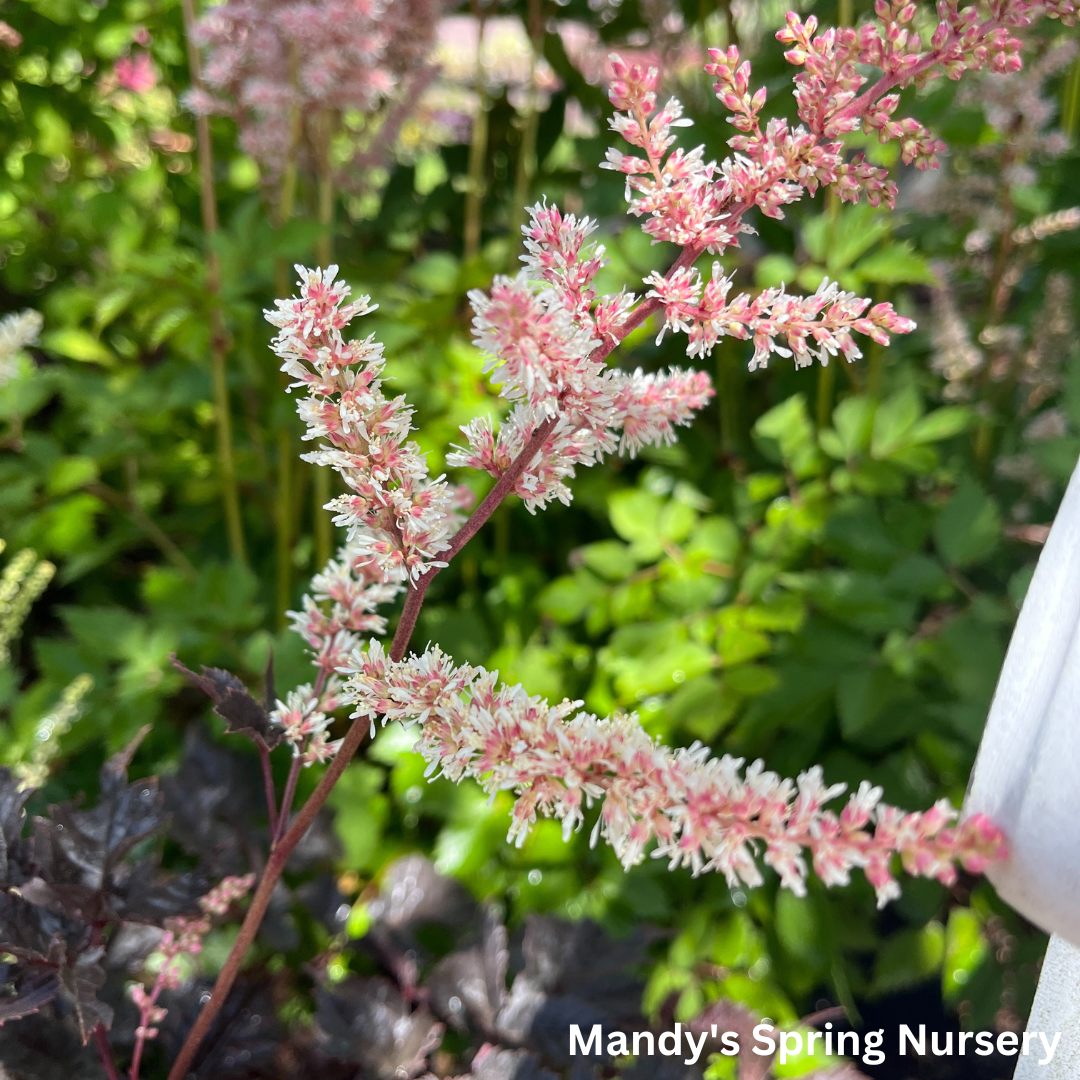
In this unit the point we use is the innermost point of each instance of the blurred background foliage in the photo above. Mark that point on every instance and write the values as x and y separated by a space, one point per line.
825 569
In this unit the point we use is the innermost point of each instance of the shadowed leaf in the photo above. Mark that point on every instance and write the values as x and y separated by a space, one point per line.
234 704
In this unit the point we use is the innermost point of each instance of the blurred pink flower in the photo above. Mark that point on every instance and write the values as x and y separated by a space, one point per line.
270 63
136 73
9 36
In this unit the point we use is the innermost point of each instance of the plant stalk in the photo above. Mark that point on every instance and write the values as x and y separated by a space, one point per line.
325 253
287 800
526 161
219 340
474 192
104 1051
414 600
268 786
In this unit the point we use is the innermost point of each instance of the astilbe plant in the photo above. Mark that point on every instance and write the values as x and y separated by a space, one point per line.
548 335
282 68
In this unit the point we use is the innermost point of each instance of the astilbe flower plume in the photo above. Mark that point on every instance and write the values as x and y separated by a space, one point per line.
17 331
546 335
704 812
275 65
398 518
700 205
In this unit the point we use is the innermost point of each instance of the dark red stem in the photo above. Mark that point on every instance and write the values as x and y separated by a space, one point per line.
292 834
287 800
268 786
101 1042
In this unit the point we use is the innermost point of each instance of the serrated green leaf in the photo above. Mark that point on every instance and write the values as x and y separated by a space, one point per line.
896 264
968 529
893 422
941 424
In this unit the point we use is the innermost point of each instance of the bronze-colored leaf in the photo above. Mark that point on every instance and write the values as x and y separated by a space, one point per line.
234 704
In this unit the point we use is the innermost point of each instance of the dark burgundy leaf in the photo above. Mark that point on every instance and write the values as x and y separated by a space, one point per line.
93 842
244 1035
414 894
47 1046
367 1021
492 1063
36 934
215 804
80 982
147 895
468 988
12 818
234 704
325 901
28 991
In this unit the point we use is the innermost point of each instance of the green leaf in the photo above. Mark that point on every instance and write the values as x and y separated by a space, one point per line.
78 344
610 559
784 612
438 273
567 599
965 952
659 672
70 473
909 958
785 433
801 928
854 232
110 306
361 811
750 680
853 421
941 424
737 645
968 529
896 264
775 270
893 423
876 708
166 325
635 516
715 539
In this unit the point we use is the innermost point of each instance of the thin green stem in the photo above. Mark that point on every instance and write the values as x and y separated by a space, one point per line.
526 160
1070 101
219 341
150 528
474 190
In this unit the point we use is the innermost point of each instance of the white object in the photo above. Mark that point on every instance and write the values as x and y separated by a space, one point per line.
1027 774
1056 1008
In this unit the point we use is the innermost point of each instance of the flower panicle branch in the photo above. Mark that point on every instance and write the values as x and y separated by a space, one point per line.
398 517
814 327
547 335
183 938
707 813
690 201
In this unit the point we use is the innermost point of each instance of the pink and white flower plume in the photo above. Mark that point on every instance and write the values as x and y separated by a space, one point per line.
399 519
703 812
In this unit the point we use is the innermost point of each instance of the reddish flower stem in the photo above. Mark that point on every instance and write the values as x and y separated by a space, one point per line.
104 1050
268 786
886 83
287 801
414 600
